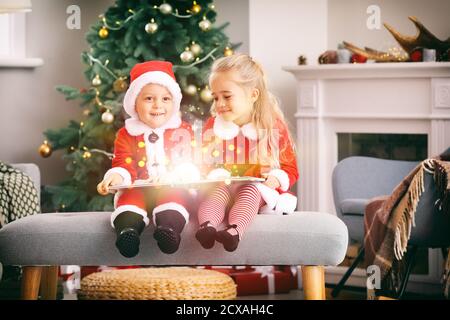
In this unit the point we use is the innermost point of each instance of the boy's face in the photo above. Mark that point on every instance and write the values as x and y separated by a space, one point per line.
154 105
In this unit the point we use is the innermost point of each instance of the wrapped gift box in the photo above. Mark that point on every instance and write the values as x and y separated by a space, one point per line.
254 280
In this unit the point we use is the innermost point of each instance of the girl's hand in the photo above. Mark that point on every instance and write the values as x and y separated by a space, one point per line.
272 182
112 180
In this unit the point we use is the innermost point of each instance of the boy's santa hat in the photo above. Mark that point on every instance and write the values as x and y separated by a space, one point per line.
158 72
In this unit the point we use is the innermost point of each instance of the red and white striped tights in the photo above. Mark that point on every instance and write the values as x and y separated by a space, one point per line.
244 200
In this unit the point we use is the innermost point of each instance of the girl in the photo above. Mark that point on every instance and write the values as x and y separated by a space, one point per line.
246 136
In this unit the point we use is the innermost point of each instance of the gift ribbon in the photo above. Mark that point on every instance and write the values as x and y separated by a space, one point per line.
267 271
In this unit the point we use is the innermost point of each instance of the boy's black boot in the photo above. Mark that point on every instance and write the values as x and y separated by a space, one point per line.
169 224
129 226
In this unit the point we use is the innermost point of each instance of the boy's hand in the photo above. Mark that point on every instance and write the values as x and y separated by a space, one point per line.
112 180
272 182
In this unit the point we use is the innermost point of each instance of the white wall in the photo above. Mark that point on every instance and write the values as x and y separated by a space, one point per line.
280 31
347 21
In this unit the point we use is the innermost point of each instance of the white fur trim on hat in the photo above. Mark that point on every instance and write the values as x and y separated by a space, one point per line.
171 206
227 130
120 171
282 177
157 77
131 208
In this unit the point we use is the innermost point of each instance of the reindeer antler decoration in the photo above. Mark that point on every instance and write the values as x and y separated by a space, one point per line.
423 39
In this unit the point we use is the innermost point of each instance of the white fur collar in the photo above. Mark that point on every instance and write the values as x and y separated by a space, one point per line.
136 127
227 130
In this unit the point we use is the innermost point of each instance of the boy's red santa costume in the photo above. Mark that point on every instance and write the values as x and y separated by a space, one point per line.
141 152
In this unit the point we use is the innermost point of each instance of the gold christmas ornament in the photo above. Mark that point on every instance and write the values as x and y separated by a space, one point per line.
206 95
187 56
103 33
107 117
195 48
196 8
86 112
151 27
165 8
96 81
120 85
191 90
228 52
205 24
45 150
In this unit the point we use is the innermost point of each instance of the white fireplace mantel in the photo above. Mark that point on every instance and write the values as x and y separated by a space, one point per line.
364 98
403 97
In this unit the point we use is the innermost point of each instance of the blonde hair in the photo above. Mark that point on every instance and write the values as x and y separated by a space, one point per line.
266 109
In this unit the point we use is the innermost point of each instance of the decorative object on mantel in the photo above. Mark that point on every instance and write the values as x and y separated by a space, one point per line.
302 60
328 57
412 47
392 55
357 58
429 55
343 54
423 40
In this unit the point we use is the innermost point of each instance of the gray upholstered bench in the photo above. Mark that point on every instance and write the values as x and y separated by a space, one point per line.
42 242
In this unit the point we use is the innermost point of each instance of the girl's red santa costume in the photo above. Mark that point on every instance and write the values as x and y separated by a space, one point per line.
141 152
234 140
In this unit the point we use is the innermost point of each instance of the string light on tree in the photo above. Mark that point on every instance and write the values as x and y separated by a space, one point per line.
187 56
165 8
87 155
196 49
107 117
45 150
205 24
103 32
151 27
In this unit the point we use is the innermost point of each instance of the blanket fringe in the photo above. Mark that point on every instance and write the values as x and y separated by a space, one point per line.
407 220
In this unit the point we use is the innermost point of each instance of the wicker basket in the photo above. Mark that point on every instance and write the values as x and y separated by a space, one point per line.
178 283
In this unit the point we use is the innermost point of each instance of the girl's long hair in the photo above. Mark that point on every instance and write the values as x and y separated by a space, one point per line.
266 110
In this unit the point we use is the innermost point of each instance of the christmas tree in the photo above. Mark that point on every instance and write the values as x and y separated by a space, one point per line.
130 32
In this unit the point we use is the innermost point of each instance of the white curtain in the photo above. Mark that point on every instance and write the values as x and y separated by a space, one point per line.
9 6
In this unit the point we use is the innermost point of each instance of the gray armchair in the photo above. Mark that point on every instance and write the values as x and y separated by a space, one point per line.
358 179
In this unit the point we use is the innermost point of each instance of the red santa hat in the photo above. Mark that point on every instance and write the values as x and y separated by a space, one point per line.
158 72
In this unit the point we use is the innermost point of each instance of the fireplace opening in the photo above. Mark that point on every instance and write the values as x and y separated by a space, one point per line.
393 146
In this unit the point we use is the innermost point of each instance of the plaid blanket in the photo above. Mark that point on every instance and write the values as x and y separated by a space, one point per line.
18 195
388 221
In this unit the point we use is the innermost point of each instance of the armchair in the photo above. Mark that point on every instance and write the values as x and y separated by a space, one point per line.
358 179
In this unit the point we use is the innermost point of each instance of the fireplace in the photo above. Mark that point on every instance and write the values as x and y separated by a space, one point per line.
393 146
387 110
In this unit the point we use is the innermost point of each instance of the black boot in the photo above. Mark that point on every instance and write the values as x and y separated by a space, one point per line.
230 242
206 235
169 224
129 226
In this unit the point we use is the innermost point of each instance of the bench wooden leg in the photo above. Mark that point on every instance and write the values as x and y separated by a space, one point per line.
49 282
313 278
31 278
